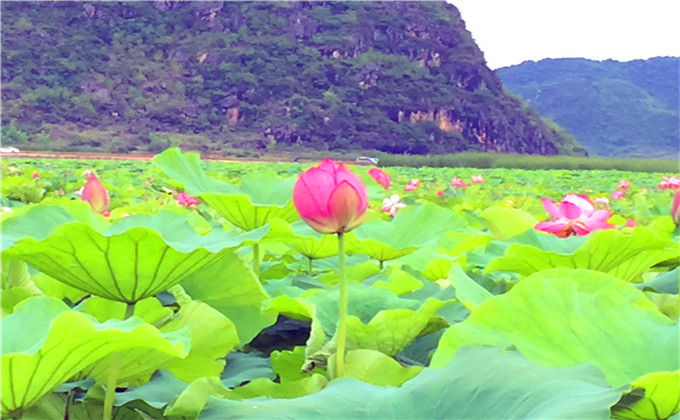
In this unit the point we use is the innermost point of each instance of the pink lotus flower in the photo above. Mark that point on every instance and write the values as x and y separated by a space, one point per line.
94 193
631 223
477 179
670 182
574 216
184 199
458 183
440 193
330 198
618 195
392 205
675 209
106 213
412 185
624 184
380 177
36 175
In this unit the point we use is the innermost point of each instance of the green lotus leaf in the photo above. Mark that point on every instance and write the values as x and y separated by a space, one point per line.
136 257
186 168
304 239
565 317
54 406
653 396
374 367
412 228
609 251
507 222
289 365
468 291
192 400
213 336
481 383
396 281
261 198
230 286
44 344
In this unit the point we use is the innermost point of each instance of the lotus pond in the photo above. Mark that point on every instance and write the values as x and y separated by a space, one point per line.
200 293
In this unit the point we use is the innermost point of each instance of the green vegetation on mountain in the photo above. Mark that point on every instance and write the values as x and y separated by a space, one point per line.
621 109
397 77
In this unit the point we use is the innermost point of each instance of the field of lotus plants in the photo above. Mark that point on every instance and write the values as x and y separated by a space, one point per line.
182 289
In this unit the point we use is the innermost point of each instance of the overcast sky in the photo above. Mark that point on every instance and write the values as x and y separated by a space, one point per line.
512 31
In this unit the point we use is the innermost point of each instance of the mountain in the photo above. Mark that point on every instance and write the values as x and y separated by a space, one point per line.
622 109
399 77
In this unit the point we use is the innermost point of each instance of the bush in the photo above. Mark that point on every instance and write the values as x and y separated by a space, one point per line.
11 134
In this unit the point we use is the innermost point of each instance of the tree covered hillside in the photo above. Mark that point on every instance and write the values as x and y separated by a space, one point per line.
400 77
622 109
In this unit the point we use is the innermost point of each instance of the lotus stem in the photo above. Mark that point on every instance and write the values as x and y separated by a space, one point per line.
381 264
256 260
114 372
342 311
310 266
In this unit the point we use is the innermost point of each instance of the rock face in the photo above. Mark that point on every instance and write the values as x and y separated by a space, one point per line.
400 77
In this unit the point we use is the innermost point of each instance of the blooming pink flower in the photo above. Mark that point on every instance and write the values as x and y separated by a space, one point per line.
458 183
618 195
184 199
380 177
392 205
624 184
412 185
106 213
670 182
631 223
330 198
574 216
675 209
94 193
36 175
477 179
440 193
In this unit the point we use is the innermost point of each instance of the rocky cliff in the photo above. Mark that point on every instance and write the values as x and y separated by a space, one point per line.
401 77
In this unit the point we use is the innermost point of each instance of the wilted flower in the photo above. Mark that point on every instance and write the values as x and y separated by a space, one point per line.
624 184
574 216
412 185
458 183
601 202
380 177
330 198
618 195
184 199
477 179
392 205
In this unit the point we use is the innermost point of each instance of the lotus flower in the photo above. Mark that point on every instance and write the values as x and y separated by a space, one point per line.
574 216
184 199
330 198
477 179
36 175
94 193
670 182
380 177
392 205
440 193
675 209
618 195
412 185
458 183
631 223
624 184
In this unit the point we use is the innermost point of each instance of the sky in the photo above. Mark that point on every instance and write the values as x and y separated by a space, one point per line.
512 31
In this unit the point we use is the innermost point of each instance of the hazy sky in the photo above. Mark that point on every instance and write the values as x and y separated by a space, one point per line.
512 31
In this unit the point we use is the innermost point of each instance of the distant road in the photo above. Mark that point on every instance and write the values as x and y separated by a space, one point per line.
147 157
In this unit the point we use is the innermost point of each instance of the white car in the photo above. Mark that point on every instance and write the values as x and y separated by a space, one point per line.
363 160
9 150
